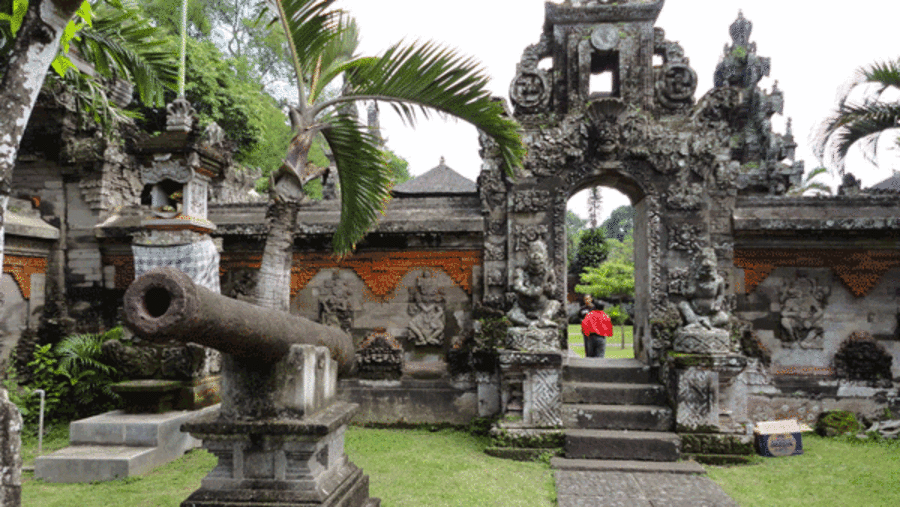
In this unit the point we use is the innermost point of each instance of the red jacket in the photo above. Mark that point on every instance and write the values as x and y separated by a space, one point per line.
597 322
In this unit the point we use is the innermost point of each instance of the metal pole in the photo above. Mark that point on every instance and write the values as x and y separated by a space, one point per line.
41 421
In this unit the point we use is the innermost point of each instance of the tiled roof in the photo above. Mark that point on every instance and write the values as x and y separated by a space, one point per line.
439 181
891 184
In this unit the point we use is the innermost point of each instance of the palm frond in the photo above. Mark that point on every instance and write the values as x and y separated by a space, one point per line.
364 178
311 25
335 54
426 78
124 44
852 124
81 352
884 74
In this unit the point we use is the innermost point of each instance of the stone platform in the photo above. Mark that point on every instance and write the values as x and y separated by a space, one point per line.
116 445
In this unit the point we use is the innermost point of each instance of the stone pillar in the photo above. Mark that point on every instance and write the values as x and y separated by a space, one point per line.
10 456
530 386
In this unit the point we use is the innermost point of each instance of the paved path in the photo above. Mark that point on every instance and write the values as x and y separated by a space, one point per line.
578 488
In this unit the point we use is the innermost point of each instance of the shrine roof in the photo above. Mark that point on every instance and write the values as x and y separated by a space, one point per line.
441 180
891 184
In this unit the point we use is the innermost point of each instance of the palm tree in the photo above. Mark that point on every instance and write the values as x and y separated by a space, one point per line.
810 185
862 123
412 78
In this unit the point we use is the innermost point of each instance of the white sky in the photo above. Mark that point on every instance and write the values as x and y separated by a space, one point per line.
815 47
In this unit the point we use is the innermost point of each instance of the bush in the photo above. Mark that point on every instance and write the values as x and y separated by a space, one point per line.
837 422
75 381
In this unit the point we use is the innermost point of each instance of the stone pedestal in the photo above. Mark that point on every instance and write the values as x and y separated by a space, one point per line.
280 462
530 388
279 437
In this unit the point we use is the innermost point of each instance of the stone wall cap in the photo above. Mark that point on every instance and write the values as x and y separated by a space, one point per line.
19 224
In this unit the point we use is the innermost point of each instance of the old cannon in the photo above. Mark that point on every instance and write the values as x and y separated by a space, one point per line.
263 350
166 304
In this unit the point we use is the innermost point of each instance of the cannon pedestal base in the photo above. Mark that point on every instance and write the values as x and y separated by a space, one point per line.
299 463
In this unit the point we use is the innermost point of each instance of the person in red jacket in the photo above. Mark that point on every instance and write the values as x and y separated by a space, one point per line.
595 327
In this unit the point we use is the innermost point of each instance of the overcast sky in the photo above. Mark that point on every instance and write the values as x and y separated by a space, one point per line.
815 48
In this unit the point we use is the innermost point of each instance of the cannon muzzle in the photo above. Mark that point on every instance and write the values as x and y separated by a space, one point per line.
166 304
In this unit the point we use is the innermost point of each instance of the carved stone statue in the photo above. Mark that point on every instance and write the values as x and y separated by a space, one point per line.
802 308
703 309
533 285
335 306
426 306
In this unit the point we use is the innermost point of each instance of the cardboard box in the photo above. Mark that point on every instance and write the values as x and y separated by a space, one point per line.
779 438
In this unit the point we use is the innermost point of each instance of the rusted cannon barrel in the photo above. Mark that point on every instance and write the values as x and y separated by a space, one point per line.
166 304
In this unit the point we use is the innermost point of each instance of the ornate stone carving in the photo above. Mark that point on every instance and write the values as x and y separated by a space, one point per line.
555 147
675 86
803 305
684 195
678 281
175 170
530 89
181 115
492 191
533 339
526 235
380 356
698 404
686 237
543 406
497 277
426 306
529 201
534 286
703 309
494 251
606 134
335 305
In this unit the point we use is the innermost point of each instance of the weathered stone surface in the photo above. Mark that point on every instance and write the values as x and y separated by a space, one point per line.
10 452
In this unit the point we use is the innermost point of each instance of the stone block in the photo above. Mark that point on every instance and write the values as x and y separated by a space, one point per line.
533 339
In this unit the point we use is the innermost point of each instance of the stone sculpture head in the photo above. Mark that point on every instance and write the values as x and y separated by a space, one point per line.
537 257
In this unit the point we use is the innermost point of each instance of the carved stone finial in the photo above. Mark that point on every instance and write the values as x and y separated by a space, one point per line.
181 115
740 30
442 160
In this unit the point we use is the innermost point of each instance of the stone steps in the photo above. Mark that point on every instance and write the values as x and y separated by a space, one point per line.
89 463
621 465
621 371
116 445
622 445
611 393
617 417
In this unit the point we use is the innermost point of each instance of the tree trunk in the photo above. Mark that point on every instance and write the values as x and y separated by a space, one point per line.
273 286
34 49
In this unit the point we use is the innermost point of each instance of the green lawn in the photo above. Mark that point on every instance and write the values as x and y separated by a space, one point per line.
406 468
830 472
614 347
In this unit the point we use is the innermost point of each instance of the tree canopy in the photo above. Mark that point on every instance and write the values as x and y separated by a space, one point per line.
591 251
620 223
615 276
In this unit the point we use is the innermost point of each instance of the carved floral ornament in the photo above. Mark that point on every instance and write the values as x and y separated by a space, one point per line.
860 270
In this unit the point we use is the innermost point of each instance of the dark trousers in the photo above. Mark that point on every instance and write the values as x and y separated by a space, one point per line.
594 345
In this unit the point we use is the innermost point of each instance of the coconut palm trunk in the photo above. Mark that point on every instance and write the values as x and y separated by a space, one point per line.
37 41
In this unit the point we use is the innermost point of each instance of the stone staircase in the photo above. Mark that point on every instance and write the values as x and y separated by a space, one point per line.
615 418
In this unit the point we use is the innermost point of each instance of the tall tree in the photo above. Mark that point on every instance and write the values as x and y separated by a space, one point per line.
574 225
412 78
595 206
862 123
37 35
591 251
620 223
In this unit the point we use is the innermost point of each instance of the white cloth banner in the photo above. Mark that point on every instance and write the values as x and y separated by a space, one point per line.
200 261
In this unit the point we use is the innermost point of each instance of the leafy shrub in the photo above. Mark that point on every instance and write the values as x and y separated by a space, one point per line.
837 422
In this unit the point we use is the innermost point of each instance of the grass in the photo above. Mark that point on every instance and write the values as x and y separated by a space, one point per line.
831 471
413 468
406 468
613 343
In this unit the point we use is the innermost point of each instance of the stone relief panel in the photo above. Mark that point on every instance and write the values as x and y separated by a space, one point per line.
529 201
543 401
525 235
494 252
426 309
698 393
802 308
686 237
335 302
